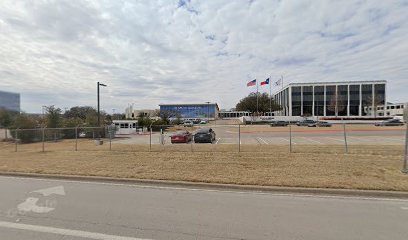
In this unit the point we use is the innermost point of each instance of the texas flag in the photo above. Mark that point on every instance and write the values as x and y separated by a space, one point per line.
266 82
251 83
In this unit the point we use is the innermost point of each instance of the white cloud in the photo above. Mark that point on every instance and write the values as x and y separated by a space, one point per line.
151 52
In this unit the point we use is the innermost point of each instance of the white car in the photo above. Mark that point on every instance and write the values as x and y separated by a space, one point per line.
188 124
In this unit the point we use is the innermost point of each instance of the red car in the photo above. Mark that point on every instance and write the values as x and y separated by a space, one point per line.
181 137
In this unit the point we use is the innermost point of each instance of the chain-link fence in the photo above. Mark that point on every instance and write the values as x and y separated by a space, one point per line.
336 139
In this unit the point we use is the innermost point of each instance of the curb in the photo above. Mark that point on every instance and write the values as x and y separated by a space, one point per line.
219 186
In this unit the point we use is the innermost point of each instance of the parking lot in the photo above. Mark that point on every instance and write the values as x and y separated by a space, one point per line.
265 135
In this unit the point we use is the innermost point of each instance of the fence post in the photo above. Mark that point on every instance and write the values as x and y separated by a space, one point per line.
43 139
150 146
110 137
16 140
239 137
290 138
345 137
76 138
404 168
6 130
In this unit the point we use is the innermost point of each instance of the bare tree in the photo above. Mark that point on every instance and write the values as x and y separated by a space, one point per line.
374 103
337 103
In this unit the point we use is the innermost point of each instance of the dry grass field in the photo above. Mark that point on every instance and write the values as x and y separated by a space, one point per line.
365 167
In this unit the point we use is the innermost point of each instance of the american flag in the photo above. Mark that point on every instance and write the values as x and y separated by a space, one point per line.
251 83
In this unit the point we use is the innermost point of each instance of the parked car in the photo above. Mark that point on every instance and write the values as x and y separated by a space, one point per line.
204 135
320 124
181 137
188 123
196 121
203 122
279 124
390 122
305 122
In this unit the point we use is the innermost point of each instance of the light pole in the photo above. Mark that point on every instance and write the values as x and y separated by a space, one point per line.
99 115
208 112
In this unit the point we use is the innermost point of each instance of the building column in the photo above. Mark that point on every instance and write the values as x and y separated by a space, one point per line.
313 101
348 100
324 100
372 101
360 109
301 100
290 101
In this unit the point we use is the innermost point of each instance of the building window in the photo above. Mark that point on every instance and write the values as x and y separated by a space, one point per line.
296 101
319 100
398 107
367 97
330 100
354 100
307 101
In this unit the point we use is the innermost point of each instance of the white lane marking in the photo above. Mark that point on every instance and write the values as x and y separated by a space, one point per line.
30 205
394 139
404 208
258 192
64 232
309 139
59 190
217 140
288 140
263 140
335 139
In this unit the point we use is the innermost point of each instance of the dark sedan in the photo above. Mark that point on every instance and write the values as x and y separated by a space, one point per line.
320 124
390 122
279 124
181 137
204 135
305 122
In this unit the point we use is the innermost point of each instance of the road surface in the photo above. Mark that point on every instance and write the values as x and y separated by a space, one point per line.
58 209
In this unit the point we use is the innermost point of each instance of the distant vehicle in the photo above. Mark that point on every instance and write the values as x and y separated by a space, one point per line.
181 137
188 123
320 124
204 135
279 124
390 122
203 122
196 121
82 134
305 122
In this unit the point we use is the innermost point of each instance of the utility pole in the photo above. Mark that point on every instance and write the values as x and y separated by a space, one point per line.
208 112
99 115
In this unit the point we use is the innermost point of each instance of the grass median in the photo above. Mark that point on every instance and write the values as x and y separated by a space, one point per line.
365 167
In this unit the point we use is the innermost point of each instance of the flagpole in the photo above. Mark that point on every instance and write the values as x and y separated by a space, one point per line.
257 98
282 81
270 96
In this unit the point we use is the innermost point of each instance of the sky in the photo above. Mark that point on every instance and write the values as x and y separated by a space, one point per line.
187 51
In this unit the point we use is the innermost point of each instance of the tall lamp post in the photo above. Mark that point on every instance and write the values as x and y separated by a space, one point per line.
99 115
208 112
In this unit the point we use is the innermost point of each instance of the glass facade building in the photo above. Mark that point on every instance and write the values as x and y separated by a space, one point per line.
191 111
10 101
331 99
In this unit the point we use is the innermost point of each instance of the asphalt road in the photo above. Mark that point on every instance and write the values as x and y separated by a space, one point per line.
58 209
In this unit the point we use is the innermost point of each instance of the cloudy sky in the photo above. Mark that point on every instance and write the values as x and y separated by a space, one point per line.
152 52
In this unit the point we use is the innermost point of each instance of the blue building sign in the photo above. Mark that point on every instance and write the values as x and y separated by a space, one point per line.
186 111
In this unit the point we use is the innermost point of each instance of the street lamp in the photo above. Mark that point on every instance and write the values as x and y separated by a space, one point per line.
208 112
99 115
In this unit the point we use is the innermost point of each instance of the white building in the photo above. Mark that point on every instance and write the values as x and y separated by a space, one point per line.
131 113
390 110
331 99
